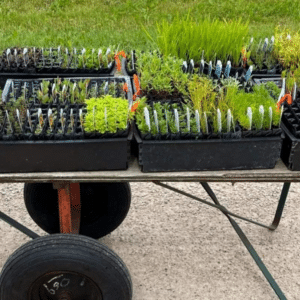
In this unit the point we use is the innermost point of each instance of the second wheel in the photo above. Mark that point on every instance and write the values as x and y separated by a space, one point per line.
104 206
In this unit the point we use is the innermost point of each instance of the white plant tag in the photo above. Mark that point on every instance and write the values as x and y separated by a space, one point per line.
251 40
229 118
147 118
249 115
62 119
63 89
29 120
75 51
81 118
192 65
8 52
289 37
74 87
25 51
197 117
188 119
295 91
83 51
105 116
67 51
184 64
167 122
265 46
72 118
93 51
156 120
99 52
50 118
58 50
16 52
261 112
206 123
227 69
50 51
201 66
40 116
106 88
18 117
53 88
96 90
107 51
176 119
209 68
282 93
219 120
8 121
270 116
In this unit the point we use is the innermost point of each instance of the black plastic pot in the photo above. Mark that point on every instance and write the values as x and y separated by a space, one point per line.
211 154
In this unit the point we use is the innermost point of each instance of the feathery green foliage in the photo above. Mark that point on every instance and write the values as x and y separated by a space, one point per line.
106 114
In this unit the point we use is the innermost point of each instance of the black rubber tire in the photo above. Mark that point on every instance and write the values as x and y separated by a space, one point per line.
64 253
104 206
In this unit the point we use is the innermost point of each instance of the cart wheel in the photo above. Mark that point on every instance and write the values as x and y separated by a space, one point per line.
104 206
65 267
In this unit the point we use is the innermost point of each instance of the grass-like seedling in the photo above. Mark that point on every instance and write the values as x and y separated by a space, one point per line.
216 39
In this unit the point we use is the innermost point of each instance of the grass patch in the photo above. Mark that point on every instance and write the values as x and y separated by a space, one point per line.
119 22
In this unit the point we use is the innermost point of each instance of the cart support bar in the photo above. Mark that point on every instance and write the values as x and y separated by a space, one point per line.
69 207
18 226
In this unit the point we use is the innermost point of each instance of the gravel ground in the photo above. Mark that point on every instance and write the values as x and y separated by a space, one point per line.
177 248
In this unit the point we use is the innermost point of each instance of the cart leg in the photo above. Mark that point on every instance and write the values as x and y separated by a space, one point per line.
281 203
69 207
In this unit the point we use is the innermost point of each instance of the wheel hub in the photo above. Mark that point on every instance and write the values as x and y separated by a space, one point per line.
64 286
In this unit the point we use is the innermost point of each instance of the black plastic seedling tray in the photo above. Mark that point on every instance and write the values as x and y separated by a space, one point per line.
290 153
211 154
54 151
58 156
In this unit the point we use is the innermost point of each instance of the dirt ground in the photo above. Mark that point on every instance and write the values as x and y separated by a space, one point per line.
177 248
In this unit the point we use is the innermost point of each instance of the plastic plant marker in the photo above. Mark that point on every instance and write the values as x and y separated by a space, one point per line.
209 68
62 119
67 51
206 123
202 55
188 119
105 117
282 92
72 119
96 90
218 69
147 118
295 91
227 69
40 116
167 122
29 120
197 117
176 119
8 121
7 56
18 117
155 120
184 67
289 37
53 89
132 60
94 117
192 65
107 51
270 116
261 112
201 66
50 118
248 73
219 120
265 46
106 88
249 115
81 118
229 117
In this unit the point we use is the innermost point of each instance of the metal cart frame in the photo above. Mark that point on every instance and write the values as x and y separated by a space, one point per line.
67 184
